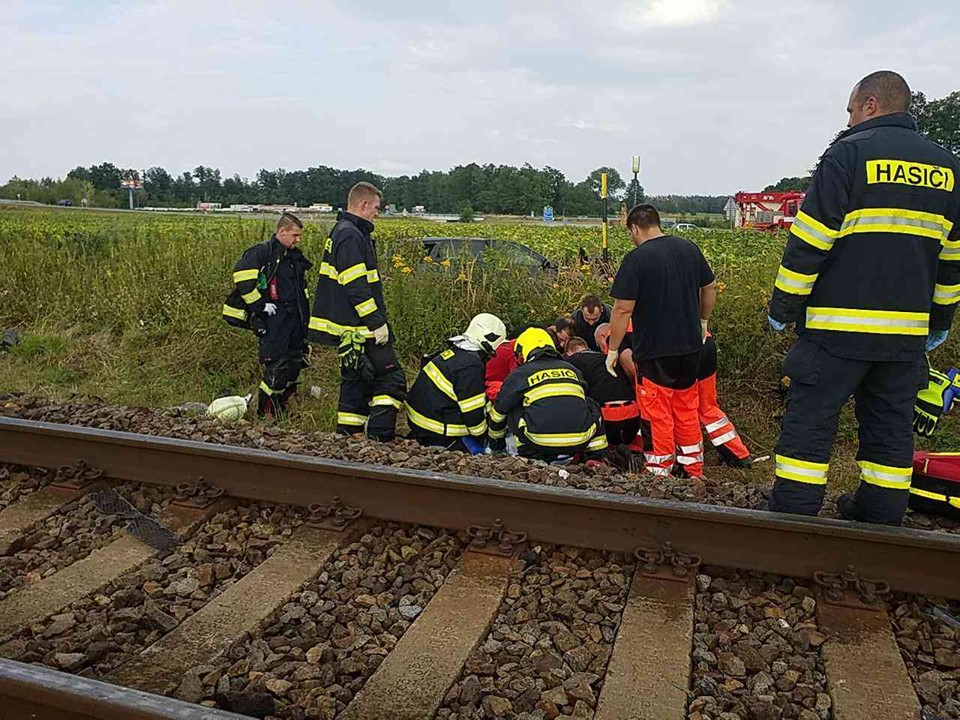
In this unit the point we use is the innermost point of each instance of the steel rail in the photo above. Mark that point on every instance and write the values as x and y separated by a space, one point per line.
913 561
37 693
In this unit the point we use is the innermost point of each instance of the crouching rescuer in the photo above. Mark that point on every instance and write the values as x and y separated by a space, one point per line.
446 405
270 298
544 404
349 313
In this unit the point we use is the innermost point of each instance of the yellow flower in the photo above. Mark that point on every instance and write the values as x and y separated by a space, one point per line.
461 276
445 263
406 270
427 259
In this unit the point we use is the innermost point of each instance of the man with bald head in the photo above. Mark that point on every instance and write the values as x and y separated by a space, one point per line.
871 277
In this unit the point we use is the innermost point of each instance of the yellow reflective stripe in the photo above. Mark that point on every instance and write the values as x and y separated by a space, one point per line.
328 270
351 419
266 388
896 220
352 273
495 416
234 312
440 380
951 250
241 275
946 294
599 442
497 434
385 400
328 326
878 322
813 232
251 297
373 276
560 439
812 473
367 307
475 403
885 476
478 429
552 390
795 283
927 494
434 426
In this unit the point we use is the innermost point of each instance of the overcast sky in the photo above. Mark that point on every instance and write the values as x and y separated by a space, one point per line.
715 95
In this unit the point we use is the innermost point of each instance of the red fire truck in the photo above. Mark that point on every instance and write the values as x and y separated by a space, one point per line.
770 211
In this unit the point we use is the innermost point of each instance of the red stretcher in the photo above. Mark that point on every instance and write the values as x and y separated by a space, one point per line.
935 487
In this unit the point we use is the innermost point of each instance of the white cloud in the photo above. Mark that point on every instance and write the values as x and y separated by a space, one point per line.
680 13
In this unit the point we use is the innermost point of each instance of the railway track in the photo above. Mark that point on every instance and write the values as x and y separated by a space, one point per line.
497 620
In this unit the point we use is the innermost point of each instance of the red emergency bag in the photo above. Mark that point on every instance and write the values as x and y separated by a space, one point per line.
935 487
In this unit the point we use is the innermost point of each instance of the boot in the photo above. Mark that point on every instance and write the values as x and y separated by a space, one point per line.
265 406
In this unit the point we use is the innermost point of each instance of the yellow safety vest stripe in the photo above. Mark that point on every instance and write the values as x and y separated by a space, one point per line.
879 322
241 275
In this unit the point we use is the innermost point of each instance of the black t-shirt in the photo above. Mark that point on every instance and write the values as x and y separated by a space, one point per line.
601 385
664 277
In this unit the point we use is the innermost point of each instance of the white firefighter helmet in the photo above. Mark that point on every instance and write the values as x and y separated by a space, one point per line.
229 409
487 331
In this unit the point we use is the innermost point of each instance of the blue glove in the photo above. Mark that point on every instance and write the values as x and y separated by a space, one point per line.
776 324
936 339
474 446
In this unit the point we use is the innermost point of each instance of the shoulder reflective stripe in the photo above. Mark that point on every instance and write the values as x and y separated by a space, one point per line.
477 402
367 307
801 470
813 232
435 426
495 416
946 294
723 439
440 380
895 220
795 283
351 419
332 328
234 312
352 273
885 476
241 275
373 276
880 322
718 425
251 297
386 401
559 439
328 270
553 390
478 429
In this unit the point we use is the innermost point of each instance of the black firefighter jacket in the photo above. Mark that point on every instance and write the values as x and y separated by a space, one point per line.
872 263
448 397
349 293
547 396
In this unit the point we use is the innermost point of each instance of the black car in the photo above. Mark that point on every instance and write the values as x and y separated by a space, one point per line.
485 251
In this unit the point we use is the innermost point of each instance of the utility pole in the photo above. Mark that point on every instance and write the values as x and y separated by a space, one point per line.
603 198
636 183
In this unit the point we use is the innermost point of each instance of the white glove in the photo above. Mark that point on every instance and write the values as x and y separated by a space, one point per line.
612 357
381 335
270 309
703 330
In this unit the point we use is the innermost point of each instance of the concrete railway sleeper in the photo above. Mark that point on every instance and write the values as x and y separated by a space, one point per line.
431 628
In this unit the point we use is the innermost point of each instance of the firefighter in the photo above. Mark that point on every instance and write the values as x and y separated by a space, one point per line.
668 290
716 424
871 277
615 395
349 313
544 404
270 297
447 401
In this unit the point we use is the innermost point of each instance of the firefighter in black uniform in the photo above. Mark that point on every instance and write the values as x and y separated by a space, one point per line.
871 276
447 402
270 297
544 404
349 312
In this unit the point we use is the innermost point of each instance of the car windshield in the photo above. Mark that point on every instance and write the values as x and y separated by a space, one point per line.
514 252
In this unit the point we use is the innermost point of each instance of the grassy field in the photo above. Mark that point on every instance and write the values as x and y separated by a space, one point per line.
125 308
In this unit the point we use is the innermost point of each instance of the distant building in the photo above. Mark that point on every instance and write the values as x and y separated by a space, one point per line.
419 209
321 208
207 206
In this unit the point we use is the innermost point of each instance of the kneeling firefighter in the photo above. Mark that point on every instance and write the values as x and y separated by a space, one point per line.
270 298
446 404
545 406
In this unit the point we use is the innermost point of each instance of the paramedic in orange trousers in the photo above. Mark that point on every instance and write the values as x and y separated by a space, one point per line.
668 288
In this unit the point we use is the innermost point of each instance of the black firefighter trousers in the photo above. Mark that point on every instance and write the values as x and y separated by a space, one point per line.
281 352
884 394
372 395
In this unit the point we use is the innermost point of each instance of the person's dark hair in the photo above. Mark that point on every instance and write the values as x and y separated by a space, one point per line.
644 217
576 343
889 88
565 323
591 302
289 220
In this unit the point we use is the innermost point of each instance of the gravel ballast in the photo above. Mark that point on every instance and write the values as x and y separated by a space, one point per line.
928 634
